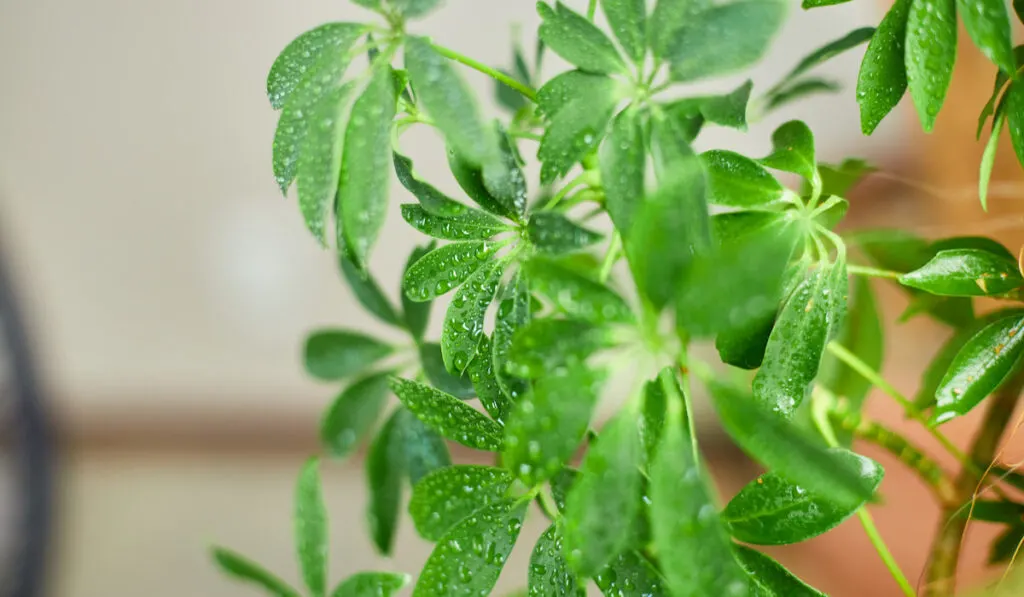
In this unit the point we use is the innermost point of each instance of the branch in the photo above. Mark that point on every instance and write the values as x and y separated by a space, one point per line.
940 574
495 74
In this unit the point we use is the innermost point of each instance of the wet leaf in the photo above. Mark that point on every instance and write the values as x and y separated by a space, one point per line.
504 178
769 578
605 500
385 468
317 162
668 18
930 54
724 38
466 562
464 321
368 292
980 367
362 199
471 225
423 450
745 347
738 181
862 334
245 570
336 354
306 54
561 483
485 382
630 574
771 510
415 8
965 272
554 233
547 424
448 415
549 572
786 449
652 419
988 159
575 295
628 21
445 268
311 528
839 179
623 162
544 344
416 313
514 312
353 413
793 151
431 200
433 366
883 73
577 40
730 109
1015 116
684 520
472 180
449 102
448 496
988 24
371 584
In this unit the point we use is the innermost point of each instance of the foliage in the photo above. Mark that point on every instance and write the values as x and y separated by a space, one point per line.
712 241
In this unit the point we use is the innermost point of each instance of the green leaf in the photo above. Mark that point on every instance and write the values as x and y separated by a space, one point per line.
799 89
311 528
579 107
628 21
464 321
1006 546
793 151
471 225
448 415
365 166
554 233
336 354
883 73
447 496
666 20
990 106
423 450
684 520
988 24
385 467
548 423
445 268
965 272
352 414
740 283
549 572
863 334
507 97
416 313
808 4
1015 116
630 574
368 292
796 345
652 419
730 109
318 164
449 102
245 570
371 584
831 50
1018 9
306 54
623 161
687 115
785 449
431 199
771 510
577 40
514 313
745 347
471 178
724 38
547 343
485 382
575 295
467 561
561 484
979 368
988 159
931 53
672 225
769 578
738 181
839 179
999 511
605 500
504 178
415 8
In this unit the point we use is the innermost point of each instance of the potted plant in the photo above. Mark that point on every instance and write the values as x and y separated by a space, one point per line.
713 248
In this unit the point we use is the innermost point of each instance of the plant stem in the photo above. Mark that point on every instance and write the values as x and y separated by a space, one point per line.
611 257
495 74
871 531
940 575
872 272
592 9
569 186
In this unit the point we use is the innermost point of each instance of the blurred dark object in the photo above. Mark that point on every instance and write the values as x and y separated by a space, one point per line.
26 459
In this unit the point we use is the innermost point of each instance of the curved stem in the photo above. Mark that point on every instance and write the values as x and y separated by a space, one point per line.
569 186
495 74
610 257
872 272
592 9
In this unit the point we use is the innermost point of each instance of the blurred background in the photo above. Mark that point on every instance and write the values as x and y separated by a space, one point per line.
166 285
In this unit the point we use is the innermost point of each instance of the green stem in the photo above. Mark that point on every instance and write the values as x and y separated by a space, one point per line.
592 9
495 74
872 272
610 257
572 184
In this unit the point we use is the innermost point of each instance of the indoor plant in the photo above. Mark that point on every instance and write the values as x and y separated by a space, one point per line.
717 249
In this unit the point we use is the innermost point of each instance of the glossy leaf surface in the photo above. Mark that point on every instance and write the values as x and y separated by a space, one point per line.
445 268
448 415
447 496
965 272
311 528
930 55
769 578
464 321
549 573
576 39
352 414
883 73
